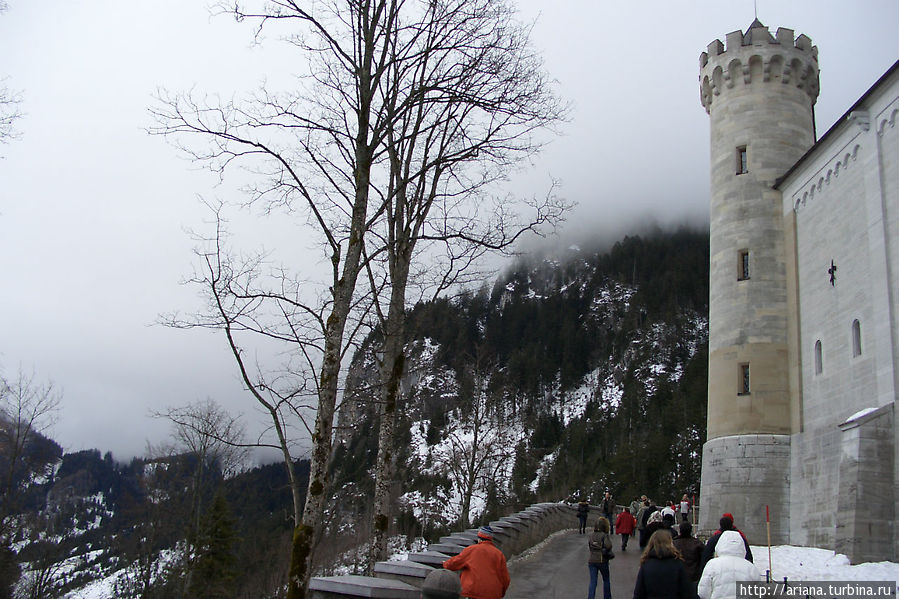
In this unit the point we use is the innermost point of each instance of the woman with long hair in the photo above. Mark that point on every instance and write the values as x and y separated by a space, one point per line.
662 574
600 553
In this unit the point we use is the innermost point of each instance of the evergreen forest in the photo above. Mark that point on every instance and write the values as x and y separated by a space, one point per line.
568 375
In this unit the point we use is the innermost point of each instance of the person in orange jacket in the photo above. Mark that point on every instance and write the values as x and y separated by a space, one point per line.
483 568
624 525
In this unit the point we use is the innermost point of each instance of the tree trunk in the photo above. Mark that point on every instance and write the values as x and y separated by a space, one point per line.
306 532
392 365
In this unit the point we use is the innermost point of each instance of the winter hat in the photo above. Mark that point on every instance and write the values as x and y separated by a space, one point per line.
485 532
728 515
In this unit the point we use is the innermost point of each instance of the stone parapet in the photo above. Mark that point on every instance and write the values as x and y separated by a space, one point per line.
757 55
432 558
461 538
412 573
404 579
337 587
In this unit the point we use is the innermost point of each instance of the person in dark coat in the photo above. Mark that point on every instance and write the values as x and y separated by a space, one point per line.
668 522
643 522
690 549
607 507
724 524
583 510
662 574
656 522
600 545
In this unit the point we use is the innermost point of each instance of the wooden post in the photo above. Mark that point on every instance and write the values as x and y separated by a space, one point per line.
769 573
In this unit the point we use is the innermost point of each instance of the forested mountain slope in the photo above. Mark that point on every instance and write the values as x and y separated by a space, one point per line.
572 374
568 375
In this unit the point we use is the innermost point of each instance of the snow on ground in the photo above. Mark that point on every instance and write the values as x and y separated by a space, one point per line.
593 386
99 589
545 464
811 564
860 414
104 588
794 563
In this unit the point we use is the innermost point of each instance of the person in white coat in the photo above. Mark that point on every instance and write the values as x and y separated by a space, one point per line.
730 566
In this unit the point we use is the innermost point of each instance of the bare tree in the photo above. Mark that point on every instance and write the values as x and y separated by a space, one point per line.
42 580
10 103
477 447
216 442
10 112
158 523
468 107
27 408
378 134
206 430
313 150
241 306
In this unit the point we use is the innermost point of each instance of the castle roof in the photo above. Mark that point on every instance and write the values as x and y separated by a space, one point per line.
756 24
840 122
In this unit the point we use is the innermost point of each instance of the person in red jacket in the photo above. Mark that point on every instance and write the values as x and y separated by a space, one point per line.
624 525
483 568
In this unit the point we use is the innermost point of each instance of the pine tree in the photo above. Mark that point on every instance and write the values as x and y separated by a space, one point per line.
216 566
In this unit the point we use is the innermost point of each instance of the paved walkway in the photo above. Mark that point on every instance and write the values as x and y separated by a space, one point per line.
558 570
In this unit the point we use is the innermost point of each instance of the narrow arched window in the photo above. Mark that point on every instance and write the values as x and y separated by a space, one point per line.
819 358
856 338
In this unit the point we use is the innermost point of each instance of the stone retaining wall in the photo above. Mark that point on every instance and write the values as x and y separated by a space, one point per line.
403 579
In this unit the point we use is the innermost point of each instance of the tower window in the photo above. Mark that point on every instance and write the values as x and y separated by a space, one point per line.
819 358
743 383
743 265
742 161
856 338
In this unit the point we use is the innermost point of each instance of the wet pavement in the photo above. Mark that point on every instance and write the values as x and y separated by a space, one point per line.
558 570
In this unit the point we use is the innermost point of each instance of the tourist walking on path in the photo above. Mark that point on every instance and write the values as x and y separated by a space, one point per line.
483 568
624 525
685 508
636 504
583 510
642 516
721 574
557 569
654 523
607 507
600 553
690 549
668 510
724 524
662 574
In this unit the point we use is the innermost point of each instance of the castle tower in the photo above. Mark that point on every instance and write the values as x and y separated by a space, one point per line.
759 92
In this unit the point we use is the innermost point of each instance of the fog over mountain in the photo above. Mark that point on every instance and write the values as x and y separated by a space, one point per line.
94 212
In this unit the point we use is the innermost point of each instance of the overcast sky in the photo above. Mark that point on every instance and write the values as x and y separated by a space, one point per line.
93 211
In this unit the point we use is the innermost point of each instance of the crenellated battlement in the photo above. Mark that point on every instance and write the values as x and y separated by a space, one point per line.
754 56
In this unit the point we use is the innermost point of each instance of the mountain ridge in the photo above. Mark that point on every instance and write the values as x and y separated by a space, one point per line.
566 376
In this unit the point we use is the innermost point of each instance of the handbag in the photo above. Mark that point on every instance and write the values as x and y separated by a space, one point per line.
607 554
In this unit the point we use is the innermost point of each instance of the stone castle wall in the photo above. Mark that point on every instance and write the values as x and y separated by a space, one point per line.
842 200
